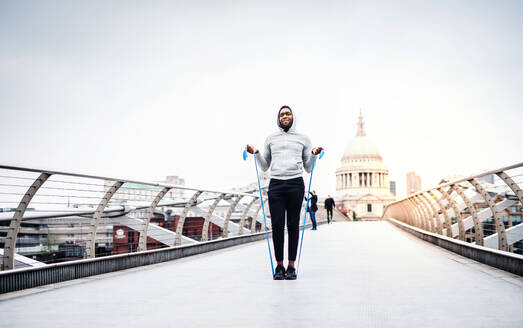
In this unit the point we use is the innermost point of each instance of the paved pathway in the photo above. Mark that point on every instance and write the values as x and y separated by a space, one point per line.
353 274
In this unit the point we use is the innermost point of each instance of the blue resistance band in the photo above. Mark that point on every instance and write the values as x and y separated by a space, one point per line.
263 209
307 208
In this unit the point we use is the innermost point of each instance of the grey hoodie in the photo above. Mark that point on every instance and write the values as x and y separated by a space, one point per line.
286 153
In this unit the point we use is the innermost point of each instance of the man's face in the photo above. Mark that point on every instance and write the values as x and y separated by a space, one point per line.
285 118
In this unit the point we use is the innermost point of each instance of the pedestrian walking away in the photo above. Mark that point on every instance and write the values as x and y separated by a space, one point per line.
287 153
313 208
329 205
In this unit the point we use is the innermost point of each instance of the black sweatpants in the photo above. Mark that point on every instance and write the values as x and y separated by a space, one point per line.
285 196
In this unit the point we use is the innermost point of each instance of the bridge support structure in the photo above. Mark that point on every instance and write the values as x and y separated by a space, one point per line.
431 209
63 206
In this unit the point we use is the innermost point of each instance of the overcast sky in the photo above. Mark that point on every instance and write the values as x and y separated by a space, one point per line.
145 89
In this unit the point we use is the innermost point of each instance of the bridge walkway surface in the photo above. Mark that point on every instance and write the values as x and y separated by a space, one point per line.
353 274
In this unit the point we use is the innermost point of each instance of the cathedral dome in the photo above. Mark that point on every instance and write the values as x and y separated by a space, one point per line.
361 146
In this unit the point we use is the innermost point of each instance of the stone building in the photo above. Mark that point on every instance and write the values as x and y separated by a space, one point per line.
413 183
362 180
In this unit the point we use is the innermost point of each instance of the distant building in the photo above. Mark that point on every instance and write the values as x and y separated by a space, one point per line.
265 178
487 178
140 192
413 183
392 185
362 180
175 180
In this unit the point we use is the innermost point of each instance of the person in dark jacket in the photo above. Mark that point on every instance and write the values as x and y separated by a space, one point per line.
313 208
287 153
329 205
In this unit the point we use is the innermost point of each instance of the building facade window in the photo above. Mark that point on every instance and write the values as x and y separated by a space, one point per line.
369 208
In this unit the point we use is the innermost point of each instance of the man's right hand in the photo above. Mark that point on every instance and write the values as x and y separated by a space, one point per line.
252 149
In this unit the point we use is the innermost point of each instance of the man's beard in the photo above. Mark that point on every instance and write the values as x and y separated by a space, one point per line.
286 128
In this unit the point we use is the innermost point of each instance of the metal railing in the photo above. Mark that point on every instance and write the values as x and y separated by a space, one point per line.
54 216
484 209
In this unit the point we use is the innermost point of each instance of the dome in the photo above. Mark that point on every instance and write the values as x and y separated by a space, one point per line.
361 146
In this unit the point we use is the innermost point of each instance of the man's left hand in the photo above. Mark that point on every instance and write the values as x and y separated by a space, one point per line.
317 150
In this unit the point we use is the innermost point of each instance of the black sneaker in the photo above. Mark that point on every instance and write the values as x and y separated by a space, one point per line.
291 273
279 273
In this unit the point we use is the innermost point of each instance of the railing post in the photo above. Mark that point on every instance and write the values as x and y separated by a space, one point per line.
457 212
142 244
435 216
414 209
181 221
448 221
8 261
254 219
512 185
426 213
407 217
205 228
478 228
500 226
244 214
412 215
90 249
225 232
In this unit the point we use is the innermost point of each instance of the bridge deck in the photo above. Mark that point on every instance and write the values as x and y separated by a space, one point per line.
356 274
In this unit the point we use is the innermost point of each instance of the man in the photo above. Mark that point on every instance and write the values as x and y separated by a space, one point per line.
287 153
329 205
313 208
